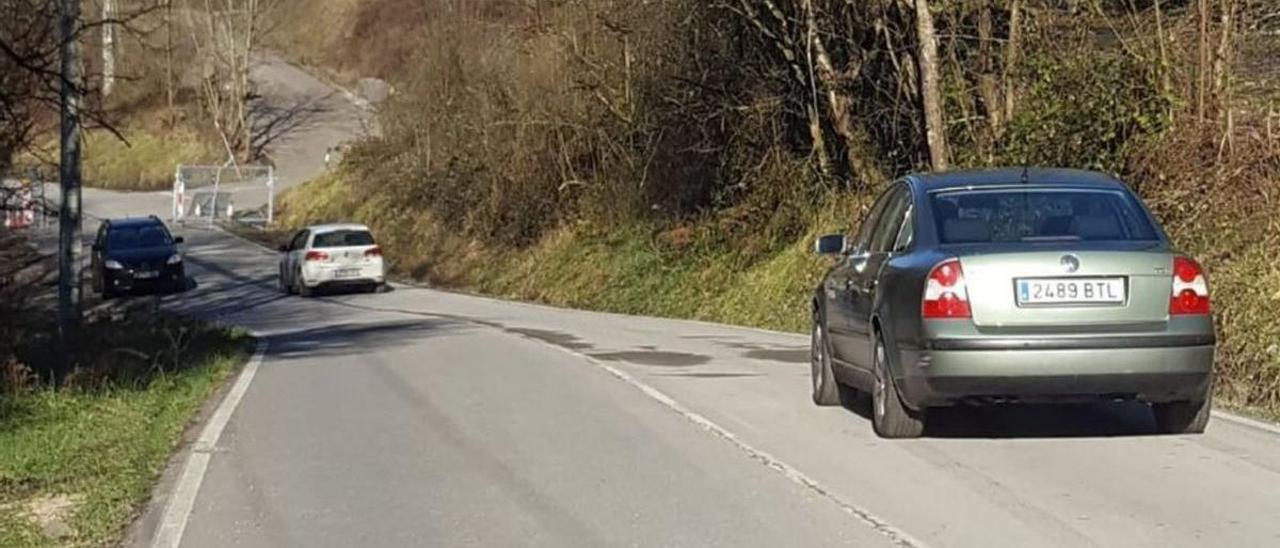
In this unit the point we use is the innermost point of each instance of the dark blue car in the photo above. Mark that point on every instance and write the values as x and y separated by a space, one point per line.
136 254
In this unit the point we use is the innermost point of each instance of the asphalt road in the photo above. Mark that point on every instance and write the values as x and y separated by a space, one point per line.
420 417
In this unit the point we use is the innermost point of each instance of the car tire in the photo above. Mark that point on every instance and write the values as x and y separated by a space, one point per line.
825 390
1184 417
890 417
303 290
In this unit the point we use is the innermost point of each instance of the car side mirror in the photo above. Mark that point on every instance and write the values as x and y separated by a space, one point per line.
284 248
96 248
179 240
830 244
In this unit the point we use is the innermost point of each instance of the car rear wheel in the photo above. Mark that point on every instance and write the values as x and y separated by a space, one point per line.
825 390
1184 417
301 286
889 416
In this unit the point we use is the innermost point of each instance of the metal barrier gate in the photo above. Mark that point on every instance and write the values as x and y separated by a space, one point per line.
244 194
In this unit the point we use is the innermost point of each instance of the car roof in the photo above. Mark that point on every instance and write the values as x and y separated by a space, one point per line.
126 222
972 178
332 227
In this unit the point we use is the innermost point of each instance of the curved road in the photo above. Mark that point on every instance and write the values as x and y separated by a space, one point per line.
420 417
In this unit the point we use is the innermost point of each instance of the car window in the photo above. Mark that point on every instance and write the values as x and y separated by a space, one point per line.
299 241
890 221
982 216
138 237
343 238
907 234
863 239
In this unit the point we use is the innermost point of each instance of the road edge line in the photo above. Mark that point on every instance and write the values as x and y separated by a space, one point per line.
173 522
877 524
1240 420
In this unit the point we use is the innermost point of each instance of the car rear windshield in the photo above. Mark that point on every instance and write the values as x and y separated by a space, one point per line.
1035 215
343 238
138 237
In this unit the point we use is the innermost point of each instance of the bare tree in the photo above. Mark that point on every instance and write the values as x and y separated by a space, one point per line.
931 88
108 48
225 34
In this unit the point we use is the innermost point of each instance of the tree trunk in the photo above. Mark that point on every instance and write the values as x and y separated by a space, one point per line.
1202 67
840 105
168 59
1013 49
931 88
988 85
1222 57
1166 79
108 48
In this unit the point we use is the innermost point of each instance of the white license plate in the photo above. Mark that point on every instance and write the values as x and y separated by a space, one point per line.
146 275
1071 291
347 273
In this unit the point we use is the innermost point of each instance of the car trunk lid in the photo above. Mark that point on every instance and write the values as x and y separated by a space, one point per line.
1069 288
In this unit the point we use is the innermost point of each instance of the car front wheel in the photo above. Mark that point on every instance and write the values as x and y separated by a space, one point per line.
825 390
889 416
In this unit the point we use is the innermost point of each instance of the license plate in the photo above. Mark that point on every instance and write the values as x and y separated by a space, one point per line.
347 273
146 275
1071 291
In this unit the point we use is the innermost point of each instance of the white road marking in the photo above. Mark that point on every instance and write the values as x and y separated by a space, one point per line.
1246 421
176 513
880 525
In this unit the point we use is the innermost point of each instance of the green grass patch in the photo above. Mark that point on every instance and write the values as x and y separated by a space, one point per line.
147 160
144 160
101 440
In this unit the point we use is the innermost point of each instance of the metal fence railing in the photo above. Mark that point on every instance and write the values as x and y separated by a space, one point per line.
244 194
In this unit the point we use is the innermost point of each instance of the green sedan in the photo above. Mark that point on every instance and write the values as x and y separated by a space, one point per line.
1011 286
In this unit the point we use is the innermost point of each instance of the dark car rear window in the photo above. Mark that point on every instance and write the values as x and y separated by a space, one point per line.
343 238
138 237
1031 215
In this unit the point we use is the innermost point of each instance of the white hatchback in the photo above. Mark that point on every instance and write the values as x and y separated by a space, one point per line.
333 255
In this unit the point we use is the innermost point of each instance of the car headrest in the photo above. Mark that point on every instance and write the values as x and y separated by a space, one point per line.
1059 225
946 209
964 231
1098 227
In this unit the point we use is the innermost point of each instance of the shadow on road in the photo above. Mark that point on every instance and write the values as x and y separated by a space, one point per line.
1026 421
354 338
272 122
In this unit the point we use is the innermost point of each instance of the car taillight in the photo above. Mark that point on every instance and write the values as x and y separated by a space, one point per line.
1190 289
945 295
374 251
316 256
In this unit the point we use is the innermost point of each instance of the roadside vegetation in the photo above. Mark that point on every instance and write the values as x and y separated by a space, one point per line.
165 89
81 445
676 158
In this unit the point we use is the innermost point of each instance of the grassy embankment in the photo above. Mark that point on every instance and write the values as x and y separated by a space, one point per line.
524 157
78 460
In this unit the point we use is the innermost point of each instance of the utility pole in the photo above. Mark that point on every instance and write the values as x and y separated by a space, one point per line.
69 176
108 47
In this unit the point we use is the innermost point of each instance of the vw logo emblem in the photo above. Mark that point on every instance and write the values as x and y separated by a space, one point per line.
1070 263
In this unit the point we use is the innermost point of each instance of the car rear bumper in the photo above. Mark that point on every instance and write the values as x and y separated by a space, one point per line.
323 275
1153 369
